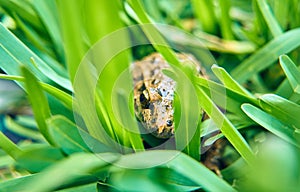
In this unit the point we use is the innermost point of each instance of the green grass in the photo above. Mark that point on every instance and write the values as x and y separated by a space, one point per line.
72 60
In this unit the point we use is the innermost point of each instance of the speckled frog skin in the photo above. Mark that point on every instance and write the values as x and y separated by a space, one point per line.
154 94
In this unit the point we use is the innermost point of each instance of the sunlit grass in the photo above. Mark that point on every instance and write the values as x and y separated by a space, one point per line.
57 50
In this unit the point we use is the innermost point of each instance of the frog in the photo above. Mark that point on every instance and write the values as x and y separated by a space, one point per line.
154 93
153 102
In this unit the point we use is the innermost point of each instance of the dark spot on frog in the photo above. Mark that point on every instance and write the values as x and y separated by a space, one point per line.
152 73
155 82
143 87
144 101
159 92
162 92
155 60
153 120
169 123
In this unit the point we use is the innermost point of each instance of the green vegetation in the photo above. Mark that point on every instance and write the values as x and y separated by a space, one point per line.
73 59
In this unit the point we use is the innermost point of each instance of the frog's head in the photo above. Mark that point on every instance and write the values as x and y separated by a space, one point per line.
154 107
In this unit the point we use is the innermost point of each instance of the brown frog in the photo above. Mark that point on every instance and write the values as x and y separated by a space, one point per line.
154 93
153 101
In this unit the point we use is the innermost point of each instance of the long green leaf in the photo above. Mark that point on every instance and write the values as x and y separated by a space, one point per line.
267 55
39 103
82 188
105 58
14 53
282 12
33 36
233 99
20 130
226 127
16 184
48 14
36 159
138 180
272 124
72 33
291 71
229 82
225 22
204 11
65 98
189 168
79 165
269 18
130 126
72 138
187 115
282 109
153 34
24 10
8 146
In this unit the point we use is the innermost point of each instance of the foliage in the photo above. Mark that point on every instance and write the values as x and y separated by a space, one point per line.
83 135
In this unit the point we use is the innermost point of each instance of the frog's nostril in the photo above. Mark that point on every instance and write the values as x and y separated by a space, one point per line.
169 123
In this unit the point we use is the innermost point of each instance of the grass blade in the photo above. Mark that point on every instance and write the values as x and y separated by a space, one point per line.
9 147
24 9
23 131
79 165
66 135
229 131
153 34
282 109
13 53
229 82
233 99
271 124
39 103
72 33
205 14
271 21
37 158
187 115
189 168
267 55
72 138
108 37
129 123
291 71
225 23
62 96
48 14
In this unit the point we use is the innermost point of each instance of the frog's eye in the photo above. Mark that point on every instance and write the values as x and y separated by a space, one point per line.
143 98
163 92
169 123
